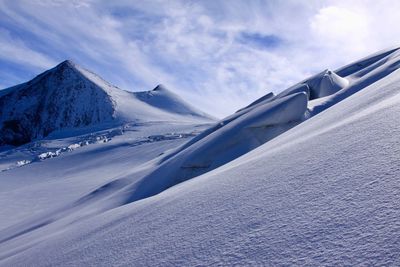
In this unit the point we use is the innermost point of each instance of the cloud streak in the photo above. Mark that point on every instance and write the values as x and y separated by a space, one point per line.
220 55
16 51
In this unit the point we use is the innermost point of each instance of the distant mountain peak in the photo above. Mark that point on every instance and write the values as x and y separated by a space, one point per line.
163 90
160 87
66 64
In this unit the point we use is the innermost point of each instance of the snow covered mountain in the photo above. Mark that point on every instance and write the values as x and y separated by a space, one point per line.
305 177
70 97
164 99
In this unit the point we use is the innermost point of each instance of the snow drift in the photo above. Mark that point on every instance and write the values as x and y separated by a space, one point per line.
325 83
223 144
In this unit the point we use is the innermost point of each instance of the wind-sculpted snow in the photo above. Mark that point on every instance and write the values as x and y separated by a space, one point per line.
308 176
226 143
262 99
325 83
69 97
365 63
330 87
302 87
359 80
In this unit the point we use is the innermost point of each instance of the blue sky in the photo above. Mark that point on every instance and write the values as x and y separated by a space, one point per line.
218 55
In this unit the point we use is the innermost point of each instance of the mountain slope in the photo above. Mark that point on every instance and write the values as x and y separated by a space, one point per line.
162 98
70 97
325 192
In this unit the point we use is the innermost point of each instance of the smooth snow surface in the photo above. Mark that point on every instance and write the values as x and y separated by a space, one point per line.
319 188
90 161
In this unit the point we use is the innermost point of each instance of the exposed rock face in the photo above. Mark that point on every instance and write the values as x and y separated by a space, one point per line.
56 99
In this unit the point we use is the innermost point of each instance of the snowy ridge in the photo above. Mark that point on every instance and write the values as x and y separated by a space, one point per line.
162 98
248 128
326 83
234 139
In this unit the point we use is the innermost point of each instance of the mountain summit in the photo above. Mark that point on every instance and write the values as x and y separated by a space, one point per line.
163 98
69 97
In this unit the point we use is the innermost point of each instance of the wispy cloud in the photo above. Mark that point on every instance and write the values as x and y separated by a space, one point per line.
219 55
16 51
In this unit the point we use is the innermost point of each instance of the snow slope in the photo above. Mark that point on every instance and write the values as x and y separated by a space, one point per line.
322 189
204 153
258 123
53 176
70 97
162 98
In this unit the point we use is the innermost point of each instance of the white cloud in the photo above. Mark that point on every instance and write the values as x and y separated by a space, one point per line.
341 27
16 51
